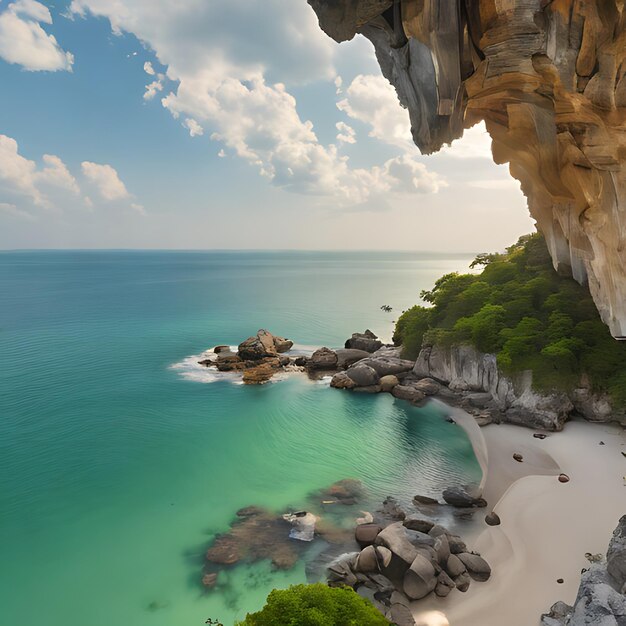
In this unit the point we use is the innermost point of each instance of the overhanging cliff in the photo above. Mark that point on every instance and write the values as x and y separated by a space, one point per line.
548 77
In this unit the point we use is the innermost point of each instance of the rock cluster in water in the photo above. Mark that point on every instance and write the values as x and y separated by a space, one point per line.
258 358
405 561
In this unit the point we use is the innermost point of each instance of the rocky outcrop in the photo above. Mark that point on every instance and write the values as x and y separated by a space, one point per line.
406 561
601 597
467 371
549 80
366 341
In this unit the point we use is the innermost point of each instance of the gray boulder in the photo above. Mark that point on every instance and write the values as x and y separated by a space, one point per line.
282 345
616 556
476 566
454 566
341 380
323 359
428 386
386 365
395 538
350 356
444 586
459 497
420 579
407 392
367 561
414 522
367 341
363 375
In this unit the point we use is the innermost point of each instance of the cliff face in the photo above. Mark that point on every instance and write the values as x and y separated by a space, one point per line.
549 80
463 368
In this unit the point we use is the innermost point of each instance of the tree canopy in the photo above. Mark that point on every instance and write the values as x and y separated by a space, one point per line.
526 313
315 605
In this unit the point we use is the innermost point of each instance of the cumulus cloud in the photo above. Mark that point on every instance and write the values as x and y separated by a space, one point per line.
22 176
227 62
372 100
148 69
195 130
152 89
13 211
106 180
24 42
346 133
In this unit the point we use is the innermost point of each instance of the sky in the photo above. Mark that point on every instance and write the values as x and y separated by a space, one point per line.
188 124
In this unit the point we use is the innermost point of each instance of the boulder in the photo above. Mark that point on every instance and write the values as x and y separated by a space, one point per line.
258 346
444 585
462 582
363 375
395 538
282 345
345 491
454 566
563 478
457 545
367 561
400 615
476 566
492 519
407 392
366 534
417 523
387 383
425 500
349 356
341 380
442 547
366 341
420 579
384 555
386 365
479 400
221 348
260 374
428 386
559 615
459 497
323 359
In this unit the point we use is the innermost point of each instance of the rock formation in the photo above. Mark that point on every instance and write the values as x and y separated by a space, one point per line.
549 80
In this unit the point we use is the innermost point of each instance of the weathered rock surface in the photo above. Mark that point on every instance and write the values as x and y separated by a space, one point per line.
549 80
407 392
363 375
515 401
366 341
349 356
601 597
459 497
323 359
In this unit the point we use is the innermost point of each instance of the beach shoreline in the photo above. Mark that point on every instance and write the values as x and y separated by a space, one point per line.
547 526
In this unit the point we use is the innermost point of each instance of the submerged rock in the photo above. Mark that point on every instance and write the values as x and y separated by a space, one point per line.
459 497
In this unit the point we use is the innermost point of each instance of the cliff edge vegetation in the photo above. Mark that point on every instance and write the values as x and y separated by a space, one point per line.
527 314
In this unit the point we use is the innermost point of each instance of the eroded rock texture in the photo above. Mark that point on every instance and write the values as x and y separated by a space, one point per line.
548 79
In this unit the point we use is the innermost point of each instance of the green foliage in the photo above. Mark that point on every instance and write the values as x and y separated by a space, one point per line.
520 309
315 605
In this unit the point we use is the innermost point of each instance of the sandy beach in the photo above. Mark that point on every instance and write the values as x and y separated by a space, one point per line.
547 526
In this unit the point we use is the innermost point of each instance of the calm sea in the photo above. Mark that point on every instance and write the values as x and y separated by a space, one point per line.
117 469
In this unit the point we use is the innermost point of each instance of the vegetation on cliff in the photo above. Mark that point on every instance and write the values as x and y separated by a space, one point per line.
522 310
315 605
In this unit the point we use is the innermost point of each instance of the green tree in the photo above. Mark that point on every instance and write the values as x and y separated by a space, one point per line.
315 605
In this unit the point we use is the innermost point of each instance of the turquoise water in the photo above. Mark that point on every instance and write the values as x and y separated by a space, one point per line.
116 470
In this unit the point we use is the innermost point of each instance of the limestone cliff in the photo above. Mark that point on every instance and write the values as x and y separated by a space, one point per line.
463 368
548 77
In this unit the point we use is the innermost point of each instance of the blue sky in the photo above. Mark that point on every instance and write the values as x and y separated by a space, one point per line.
193 124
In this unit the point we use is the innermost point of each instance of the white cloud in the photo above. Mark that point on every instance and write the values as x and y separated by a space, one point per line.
139 208
152 89
226 60
475 144
408 175
372 100
346 133
195 130
148 69
24 42
106 180
22 176
221 154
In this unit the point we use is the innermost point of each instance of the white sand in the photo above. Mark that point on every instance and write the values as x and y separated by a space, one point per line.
547 526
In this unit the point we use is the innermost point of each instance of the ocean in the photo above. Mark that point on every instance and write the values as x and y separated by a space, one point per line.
120 460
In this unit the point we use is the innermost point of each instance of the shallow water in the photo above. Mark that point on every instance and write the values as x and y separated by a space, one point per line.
116 470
